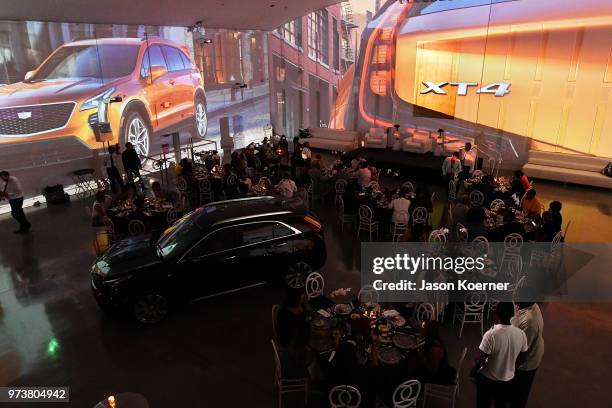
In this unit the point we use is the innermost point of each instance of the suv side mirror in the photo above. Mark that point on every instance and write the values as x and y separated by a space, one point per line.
157 71
29 75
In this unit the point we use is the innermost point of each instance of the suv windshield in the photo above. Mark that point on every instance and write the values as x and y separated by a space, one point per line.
107 61
180 236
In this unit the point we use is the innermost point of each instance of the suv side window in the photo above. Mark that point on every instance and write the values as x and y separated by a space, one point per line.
173 56
281 230
256 232
220 240
153 56
186 61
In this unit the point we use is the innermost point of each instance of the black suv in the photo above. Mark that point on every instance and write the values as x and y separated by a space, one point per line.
217 248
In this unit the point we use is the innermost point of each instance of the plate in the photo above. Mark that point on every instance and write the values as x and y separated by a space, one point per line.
389 355
343 309
398 321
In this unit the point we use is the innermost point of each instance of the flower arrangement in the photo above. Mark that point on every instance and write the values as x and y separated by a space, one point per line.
340 292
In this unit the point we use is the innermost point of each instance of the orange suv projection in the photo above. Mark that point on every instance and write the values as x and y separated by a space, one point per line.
159 87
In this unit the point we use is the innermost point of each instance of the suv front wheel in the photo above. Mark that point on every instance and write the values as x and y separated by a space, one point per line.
138 132
150 308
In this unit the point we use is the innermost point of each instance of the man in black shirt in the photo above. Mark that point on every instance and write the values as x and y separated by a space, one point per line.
131 163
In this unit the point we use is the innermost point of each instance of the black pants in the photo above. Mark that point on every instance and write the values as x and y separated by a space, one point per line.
133 174
18 214
114 178
521 387
489 391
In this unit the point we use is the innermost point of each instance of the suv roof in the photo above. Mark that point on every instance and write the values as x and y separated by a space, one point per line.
123 41
243 208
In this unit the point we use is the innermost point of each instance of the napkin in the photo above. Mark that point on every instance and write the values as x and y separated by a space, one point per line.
323 313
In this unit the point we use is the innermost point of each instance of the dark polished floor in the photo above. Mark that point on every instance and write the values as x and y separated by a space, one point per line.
217 353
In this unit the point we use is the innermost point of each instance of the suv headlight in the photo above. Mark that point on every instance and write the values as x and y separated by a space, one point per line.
92 103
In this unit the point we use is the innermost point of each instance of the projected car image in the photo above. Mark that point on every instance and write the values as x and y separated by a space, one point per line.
498 70
157 86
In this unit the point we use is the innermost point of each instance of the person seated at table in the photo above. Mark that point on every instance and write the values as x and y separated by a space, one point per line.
475 225
451 166
460 209
364 175
531 205
286 187
349 368
185 168
161 193
244 184
434 357
283 143
552 220
351 198
422 198
320 186
126 197
486 187
520 184
400 207
356 162
231 190
292 317
98 209
317 159
373 171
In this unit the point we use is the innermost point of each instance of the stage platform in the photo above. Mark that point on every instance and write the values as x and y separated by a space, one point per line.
410 166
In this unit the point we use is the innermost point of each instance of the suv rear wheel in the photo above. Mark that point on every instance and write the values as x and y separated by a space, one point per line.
201 117
138 132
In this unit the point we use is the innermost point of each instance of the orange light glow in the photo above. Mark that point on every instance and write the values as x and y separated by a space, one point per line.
379 82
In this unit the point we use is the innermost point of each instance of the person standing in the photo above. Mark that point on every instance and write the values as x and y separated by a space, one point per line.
529 319
503 348
114 176
13 192
468 159
131 163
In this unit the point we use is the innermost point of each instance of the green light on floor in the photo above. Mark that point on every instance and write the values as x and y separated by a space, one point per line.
53 348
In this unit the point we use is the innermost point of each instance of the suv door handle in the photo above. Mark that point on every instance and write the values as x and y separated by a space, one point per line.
171 82
282 244
230 258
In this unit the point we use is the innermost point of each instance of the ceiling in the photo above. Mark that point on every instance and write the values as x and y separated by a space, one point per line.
234 14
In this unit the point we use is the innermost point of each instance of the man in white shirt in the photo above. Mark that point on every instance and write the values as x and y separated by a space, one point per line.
451 166
10 188
286 188
468 158
306 153
528 318
502 349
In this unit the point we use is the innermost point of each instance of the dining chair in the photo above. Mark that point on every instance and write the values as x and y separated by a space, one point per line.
344 218
367 294
340 189
425 312
365 221
275 309
476 198
452 191
285 385
344 396
181 184
497 204
437 236
480 245
409 186
314 285
472 312
477 174
462 232
399 227
136 227
206 194
374 185
406 394
420 215
447 393
110 230
171 216
513 243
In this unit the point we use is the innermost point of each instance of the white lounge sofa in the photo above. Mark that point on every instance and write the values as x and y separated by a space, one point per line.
376 138
569 168
333 139
417 141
